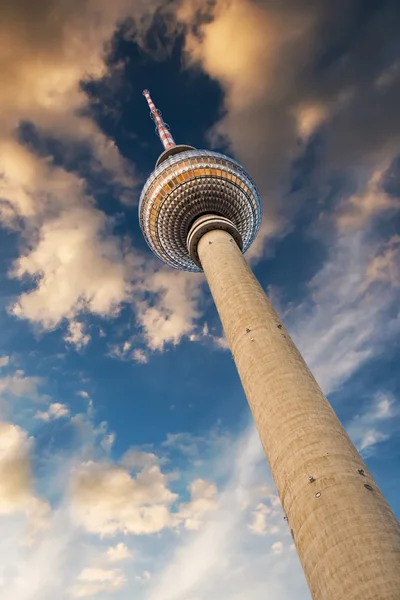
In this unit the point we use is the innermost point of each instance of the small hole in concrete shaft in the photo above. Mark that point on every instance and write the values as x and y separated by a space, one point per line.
318 495
369 487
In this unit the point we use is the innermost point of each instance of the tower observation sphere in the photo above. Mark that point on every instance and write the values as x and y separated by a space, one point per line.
188 185
200 210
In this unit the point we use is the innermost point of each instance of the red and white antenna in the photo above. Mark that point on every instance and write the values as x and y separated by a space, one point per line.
161 128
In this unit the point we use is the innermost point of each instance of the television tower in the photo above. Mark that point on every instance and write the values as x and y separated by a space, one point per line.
199 211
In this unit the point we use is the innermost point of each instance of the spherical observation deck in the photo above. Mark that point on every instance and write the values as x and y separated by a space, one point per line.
187 185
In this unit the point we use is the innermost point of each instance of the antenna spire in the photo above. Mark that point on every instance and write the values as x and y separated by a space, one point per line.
161 128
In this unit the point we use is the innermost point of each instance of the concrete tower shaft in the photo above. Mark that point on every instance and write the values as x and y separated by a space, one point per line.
198 211
345 533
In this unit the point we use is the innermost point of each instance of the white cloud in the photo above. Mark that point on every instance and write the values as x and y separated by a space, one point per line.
55 411
185 443
218 341
4 361
118 553
172 311
203 499
361 207
277 548
135 460
107 500
345 320
18 384
341 326
374 425
76 335
75 263
165 302
93 581
108 442
65 283
17 493
385 266
217 561
144 577
140 356
258 523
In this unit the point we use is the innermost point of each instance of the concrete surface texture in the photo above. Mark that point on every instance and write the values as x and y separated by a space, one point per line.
346 535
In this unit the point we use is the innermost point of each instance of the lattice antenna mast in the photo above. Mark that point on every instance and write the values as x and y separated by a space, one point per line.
162 129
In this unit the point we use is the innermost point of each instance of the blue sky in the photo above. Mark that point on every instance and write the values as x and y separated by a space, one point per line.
129 464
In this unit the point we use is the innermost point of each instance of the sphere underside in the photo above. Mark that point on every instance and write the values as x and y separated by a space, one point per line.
191 184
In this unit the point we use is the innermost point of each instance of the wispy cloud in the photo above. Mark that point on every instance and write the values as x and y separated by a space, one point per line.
345 320
209 563
56 410
375 424
4 360
17 493
19 384
93 581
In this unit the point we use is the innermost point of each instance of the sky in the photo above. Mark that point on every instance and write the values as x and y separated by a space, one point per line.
129 463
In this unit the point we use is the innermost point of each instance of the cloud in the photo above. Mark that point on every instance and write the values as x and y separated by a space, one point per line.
274 105
374 425
346 320
140 356
4 361
231 55
55 411
67 285
18 384
185 443
136 460
309 118
106 500
76 335
145 577
258 523
49 52
51 206
385 266
217 561
171 311
118 553
218 341
203 499
17 494
93 581
277 548
360 208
